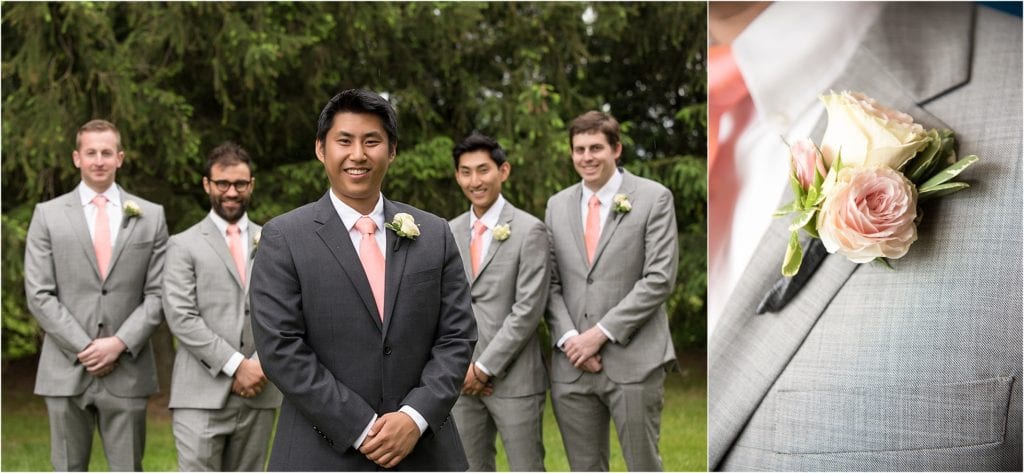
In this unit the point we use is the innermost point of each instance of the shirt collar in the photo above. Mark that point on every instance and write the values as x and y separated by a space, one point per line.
86 194
607 191
490 217
349 216
812 36
222 225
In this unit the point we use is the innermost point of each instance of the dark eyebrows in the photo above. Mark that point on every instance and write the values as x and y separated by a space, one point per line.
372 134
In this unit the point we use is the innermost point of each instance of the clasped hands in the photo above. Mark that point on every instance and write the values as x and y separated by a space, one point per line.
100 356
477 383
390 439
582 350
249 379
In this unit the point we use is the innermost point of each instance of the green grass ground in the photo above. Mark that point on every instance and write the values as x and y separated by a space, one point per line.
25 444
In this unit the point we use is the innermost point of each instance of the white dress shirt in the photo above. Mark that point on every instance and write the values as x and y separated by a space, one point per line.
114 214
349 216
231 365
785 77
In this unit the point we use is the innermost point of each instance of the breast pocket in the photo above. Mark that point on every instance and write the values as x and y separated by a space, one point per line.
892 417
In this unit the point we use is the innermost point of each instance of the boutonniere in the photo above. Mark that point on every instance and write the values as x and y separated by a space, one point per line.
404 226
859 191
255 244
130 209
621 204
501 232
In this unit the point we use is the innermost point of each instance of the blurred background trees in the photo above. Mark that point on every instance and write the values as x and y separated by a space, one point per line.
179 78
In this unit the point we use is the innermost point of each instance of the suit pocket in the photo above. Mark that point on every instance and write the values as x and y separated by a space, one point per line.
421 277
892 417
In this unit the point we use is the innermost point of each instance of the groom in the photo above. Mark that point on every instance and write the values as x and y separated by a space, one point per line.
367 331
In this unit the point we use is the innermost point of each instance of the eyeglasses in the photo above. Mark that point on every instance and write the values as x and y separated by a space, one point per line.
224 185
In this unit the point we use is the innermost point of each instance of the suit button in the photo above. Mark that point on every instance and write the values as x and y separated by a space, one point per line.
473 300
104 292
585 316
387 350
590 281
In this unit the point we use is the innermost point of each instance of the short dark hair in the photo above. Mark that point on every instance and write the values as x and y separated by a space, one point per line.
97 125
595 121
359 101
477 141
227 154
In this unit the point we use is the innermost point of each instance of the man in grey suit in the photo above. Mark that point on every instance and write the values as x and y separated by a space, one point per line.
93 260
614 257
867 368
366 329
505 254
223 408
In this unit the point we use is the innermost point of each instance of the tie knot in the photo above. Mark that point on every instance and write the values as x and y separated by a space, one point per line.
725 81
366 226
233 229
479 228
594 201
100 200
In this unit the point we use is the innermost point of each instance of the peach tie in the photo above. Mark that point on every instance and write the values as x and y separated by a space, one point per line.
372 260
476 246
726 90
101 235
593 231
235 246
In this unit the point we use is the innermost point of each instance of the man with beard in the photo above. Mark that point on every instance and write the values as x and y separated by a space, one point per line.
223 408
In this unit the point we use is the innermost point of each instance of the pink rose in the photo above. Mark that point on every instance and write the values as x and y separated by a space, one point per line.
806 160
868 213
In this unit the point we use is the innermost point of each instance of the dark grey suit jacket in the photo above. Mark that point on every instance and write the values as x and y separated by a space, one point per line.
322 342
917 368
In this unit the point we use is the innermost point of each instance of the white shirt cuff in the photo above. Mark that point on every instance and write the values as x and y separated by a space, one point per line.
231 366
362 436
416 417
483 368
606 333
566 337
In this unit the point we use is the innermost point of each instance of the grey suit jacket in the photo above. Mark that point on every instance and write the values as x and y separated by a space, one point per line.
917 368
509 296
634 272
322 342
207 309
73 306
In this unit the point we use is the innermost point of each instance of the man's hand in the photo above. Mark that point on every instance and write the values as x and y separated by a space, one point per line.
249 379
592 364
390 439
477 383
100 356
583 346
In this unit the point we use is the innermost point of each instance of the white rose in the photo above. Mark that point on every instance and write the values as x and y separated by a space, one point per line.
866 132
407 225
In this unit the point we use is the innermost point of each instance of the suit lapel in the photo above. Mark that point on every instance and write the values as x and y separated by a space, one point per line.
460 230
576 220
748 352
507 212
335 236
397 250
76 217
254 241
124 235
627 187
211 234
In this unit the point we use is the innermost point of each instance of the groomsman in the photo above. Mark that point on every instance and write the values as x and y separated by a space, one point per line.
223 407
93 260
614 257
505 254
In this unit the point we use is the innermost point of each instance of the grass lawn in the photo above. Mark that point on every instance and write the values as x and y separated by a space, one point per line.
25 443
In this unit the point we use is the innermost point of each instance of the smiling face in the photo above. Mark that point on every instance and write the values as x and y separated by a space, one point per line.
480 179
230 204
356 156
594 159
98 157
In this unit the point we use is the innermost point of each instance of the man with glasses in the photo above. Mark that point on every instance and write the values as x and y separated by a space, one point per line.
93 259
223 407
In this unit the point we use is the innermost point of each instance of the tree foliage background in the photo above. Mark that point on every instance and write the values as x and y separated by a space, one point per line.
180 78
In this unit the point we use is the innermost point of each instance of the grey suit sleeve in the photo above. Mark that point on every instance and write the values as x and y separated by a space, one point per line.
532 280
558 319
455 337
143 321
41 290
182 311
279 327
661 260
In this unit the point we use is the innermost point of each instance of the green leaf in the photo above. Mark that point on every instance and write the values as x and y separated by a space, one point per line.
786 209
802 219
950 172
794 183
918 166
811 199
884 262
794 256
941 190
